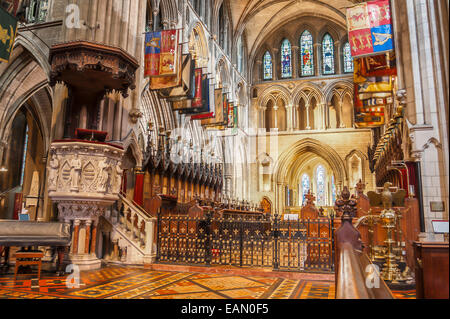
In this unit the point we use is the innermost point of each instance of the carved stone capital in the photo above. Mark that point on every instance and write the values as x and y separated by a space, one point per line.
80 211
402 97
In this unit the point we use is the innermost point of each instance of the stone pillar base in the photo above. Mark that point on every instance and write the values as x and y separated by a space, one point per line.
84 262
149 259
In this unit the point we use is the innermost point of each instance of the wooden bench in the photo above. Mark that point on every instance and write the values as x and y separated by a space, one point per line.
28 258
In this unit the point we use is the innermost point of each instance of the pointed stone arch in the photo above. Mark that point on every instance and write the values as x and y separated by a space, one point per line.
132 142
25 79
278 89
313 146
198 45
307 91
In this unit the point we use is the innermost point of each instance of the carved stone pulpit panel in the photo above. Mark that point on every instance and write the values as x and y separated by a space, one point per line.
84 179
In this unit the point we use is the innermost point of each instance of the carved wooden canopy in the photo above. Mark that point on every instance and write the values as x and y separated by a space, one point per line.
93 66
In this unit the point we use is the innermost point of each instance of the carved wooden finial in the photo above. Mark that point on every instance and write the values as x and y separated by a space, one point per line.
360 187
157 189
346 205
310 198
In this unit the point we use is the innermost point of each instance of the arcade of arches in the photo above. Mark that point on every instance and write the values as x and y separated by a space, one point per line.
287 68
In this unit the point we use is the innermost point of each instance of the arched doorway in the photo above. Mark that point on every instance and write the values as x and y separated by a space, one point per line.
308 165
23 166
25 121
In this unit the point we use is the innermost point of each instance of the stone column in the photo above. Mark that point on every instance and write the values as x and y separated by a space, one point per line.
341 115
337 58
277 198
76 234
88 236
317 59
150 245
42 193
228 180
94 237
276 64
263 117
323 110
260 71
295 64
115 249
290 118
275 109
308 125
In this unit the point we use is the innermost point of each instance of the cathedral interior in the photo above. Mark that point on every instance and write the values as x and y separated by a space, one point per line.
223 149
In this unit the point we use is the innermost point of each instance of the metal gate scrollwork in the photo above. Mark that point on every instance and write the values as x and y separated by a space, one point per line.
302 245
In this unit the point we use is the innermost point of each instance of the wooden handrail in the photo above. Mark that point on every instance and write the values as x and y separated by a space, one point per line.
352 280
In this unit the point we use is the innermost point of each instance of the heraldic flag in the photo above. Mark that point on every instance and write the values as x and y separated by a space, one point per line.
8 32
12 6
370 28
161 53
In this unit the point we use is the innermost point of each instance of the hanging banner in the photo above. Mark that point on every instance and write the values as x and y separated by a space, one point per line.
169 53
374 66
152 53
181 92
161 53
200 103
197 101
370 112
220 126
166 82
370 28
8 32
376 85
231 116
11 6
207 105
218 109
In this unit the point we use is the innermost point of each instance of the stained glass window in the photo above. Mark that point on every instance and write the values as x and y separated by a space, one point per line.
240 55
286 59
305 186
24 158
328 54
321 186
36 11
333 190
267 66
348 59
307 54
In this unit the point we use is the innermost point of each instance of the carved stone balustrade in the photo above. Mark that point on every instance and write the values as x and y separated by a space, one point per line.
84 179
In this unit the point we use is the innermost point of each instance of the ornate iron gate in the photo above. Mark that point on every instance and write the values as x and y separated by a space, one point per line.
303 245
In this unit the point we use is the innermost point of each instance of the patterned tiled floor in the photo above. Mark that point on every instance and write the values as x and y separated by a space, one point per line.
136 283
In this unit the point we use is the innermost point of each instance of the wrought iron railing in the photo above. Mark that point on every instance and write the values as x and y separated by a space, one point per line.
302 245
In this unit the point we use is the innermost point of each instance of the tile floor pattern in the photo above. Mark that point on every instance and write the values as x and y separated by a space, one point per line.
136 283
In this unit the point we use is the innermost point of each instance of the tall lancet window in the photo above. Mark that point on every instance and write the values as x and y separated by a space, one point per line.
267 66
24 158
306 186
321 186
348 59
307 54
333 190
286 59
328 54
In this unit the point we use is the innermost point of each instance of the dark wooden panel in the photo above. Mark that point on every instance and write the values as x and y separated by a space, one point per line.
432 267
